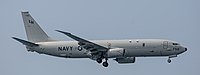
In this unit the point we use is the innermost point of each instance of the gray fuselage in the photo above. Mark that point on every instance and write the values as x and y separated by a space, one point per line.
133 48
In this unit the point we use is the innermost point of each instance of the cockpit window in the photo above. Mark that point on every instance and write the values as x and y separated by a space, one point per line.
175 43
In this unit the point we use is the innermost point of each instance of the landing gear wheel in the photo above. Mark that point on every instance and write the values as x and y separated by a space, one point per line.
99 60
105 64
169 60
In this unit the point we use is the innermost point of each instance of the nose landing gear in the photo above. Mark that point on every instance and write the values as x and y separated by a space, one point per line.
169 60
171 56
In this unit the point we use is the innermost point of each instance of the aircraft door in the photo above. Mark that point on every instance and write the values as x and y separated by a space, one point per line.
166 50
165 44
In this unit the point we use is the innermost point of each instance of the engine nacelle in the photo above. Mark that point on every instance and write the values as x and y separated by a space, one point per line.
125 60
116 52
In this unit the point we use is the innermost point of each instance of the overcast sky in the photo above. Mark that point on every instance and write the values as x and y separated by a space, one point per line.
177 20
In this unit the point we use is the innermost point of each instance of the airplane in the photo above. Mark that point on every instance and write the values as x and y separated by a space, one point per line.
121 51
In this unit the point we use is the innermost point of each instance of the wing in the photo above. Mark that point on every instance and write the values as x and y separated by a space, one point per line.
88 45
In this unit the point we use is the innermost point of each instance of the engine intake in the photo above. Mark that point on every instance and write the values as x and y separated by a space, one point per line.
115 52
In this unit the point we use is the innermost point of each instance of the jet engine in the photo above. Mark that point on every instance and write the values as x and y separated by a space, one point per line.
125 60
115 52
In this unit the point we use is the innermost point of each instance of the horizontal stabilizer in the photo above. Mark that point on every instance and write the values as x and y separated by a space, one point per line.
27 43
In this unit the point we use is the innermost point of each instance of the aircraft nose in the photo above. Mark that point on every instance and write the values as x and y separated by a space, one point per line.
185 49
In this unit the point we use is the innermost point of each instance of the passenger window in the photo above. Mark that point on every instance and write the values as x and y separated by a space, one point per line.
130 41
143 44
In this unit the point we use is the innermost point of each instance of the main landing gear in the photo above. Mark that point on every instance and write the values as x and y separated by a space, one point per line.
105 63
99 60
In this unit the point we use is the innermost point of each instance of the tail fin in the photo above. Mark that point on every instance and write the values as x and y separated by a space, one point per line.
33 31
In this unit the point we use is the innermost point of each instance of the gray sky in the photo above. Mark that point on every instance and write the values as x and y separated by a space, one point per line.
177 20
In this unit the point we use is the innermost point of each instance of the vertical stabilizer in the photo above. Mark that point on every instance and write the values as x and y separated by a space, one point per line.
33 31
